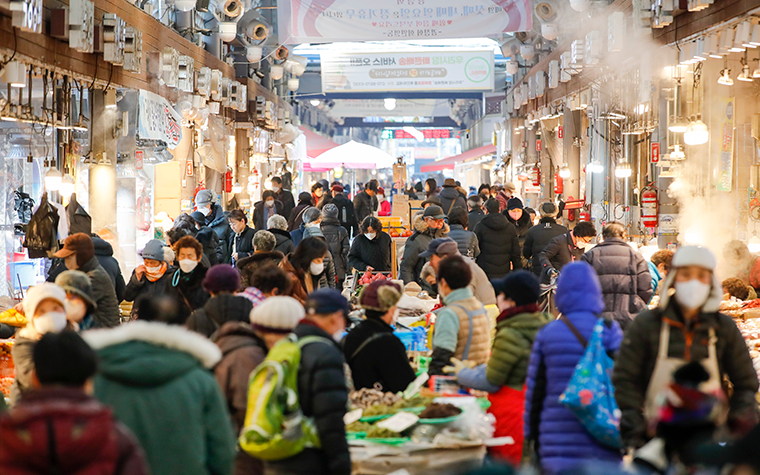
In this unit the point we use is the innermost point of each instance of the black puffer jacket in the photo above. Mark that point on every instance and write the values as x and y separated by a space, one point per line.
625 278
207 237
104 254
538 238
42 231
474 217
338 242
557 254
523 225
346 213
412 263
323 396
242 243
499 246
248 266
217 220
450 199
364 205
284 241
188 292
137 289
635 361
217 311
260 214
467 241
107 314
375 253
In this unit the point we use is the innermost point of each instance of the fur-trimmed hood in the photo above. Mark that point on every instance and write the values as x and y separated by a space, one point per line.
158 342
421 227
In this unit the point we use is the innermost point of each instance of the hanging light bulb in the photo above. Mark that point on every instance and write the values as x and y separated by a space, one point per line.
293 84
677 153
184 5
678 125
53 179
623 170
67 186
595 167
744 75
237 188
696 133
564 172
725 77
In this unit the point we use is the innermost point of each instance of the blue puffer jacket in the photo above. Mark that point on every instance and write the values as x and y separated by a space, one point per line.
562 440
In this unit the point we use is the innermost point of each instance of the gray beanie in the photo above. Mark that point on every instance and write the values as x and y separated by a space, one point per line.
204 197
153 250
310 215
330 211
77 283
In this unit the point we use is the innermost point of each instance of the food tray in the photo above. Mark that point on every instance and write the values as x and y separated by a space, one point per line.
356 435
375 418
442 420
390 440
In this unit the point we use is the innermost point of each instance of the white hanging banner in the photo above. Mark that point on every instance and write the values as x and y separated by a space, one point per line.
158 120
436 69
319 21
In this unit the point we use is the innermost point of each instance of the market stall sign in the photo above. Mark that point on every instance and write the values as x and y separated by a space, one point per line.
322 21
432 70
726 164
538 145
157 120
388 134
560 132
27 15
655 152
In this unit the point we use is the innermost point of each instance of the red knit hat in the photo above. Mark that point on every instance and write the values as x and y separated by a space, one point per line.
380 295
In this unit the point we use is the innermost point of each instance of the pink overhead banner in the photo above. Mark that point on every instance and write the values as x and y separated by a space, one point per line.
319 21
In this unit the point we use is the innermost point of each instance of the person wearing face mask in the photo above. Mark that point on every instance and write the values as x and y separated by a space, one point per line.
79 301
283 196
385 205
207 237
266 208
150 278
322 388
241 239
375 354
686 327
498 242
504 375
185 285
306 268
337 238
564 249
45 310
517 215
623 273
317 192
371 250
216 219
462 327
427 227
365 203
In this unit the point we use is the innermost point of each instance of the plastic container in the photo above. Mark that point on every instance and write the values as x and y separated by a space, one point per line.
414 340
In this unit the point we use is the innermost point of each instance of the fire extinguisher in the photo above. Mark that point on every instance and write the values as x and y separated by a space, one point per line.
228 180
649 206
536 175
143 212
559 184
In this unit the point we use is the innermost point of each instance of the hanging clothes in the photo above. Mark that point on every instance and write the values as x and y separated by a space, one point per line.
23 205
41 234
63 221
79 220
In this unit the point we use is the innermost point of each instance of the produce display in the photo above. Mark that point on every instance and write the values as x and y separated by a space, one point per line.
379 433
368 277
440 411
7 369
359 426
365 397
747 318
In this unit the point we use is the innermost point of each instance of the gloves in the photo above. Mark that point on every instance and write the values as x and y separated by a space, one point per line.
458 366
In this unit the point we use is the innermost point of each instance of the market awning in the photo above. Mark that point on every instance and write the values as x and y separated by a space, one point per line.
315 143
449 162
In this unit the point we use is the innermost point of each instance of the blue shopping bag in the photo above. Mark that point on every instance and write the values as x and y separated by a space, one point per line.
590 394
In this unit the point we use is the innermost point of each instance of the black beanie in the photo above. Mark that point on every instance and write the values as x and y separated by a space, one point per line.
521 286
64 359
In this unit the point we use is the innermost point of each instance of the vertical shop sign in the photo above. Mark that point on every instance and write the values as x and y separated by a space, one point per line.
189 167
726 166
655 152
139 156
560 132
538 145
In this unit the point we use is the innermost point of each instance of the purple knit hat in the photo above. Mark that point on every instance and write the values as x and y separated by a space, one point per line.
221 278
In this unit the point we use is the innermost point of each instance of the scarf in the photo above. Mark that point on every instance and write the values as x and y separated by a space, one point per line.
157 275
511 312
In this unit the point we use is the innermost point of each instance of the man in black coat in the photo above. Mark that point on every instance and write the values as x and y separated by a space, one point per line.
520 218
476 214
283 196
322 389
346 214
540 235
623 274
450 196
266 208
365 203
216 219
375 354
371 250
337 240
499 245
241 238
206 236
565 249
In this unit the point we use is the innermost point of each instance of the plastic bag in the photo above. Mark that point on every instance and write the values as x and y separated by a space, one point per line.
590 394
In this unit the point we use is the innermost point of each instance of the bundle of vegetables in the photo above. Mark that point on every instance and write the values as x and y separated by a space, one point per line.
368 278
365 398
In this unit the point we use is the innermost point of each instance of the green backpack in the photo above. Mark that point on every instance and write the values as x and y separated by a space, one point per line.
275 428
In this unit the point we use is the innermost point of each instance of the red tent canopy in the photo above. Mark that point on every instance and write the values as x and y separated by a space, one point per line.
448 162
315 143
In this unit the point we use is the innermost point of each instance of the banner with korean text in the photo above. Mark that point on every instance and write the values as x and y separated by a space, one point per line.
320 21
158 120
431 70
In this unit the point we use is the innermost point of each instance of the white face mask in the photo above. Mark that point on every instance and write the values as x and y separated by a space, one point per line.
269 203
692 293
381 197
206 210
152 270
370 236
51 322
76 310
316 269
276 189
188 265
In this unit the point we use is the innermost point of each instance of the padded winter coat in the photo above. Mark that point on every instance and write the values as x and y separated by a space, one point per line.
499 246
260 214
104 254
557 254
219 310
474 217
516 330
411 263
217 220
284 241
625 279
339 244
288 202
137 289
187 290
107 314
296 215
522 225
346 213
467 241
375 253
364 205
248 266
323 395
450 199
242 243
562 440
538 238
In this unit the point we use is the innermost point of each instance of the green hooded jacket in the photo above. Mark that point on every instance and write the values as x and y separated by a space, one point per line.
156 378
512 345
